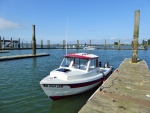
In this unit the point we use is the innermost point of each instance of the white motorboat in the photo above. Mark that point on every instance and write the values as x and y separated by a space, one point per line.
77 73
90 47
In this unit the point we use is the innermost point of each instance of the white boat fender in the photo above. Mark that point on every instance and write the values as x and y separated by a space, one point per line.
106 65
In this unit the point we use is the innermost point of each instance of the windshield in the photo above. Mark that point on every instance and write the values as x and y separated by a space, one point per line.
80 63
66 62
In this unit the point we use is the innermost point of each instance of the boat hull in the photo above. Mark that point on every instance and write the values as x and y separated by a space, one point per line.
59 91
80 90
68 90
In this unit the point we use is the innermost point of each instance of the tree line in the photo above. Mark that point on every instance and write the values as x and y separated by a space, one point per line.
143 42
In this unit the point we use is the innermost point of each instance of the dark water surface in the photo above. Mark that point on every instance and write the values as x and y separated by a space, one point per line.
20 91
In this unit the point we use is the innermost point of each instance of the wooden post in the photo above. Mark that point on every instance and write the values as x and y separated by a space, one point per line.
64 44
22 45
19 43
135 36
11 43
77 44
26 44
31 44
48 43
3 43
0 44
119 45
41 43
33 40
90 43
105 45
145 44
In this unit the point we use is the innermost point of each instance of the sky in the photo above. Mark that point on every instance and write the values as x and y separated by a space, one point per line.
83 20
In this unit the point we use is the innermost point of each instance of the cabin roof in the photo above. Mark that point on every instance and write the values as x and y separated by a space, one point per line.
81 55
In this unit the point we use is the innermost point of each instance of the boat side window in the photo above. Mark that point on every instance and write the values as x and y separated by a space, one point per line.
66 62
80 63
93 64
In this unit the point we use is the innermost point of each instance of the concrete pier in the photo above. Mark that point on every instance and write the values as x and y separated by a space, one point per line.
3 58
127 90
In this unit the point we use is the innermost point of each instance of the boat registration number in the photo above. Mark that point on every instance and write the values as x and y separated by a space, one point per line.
53 85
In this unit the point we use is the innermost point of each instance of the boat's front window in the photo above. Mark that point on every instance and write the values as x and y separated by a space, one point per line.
66 62
80 63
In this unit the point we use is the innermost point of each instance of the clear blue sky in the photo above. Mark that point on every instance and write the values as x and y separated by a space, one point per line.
94 20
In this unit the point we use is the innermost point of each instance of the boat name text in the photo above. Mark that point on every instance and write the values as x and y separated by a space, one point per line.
53 85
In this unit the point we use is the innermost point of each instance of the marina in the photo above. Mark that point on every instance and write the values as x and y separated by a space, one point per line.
20 88
100 70
90 46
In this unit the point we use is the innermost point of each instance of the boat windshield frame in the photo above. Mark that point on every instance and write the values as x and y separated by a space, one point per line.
79 63
66 62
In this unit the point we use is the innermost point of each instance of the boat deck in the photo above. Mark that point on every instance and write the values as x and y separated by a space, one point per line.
127 90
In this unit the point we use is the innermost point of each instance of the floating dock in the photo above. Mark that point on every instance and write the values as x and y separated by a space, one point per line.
3 58
127 90
4 51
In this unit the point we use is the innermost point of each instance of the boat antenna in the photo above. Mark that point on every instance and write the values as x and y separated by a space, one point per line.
66 34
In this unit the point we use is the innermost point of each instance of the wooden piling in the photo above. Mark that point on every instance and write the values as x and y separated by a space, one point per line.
48 43
41 43
31 44
90 43
11 43
19 43
64 44
77 44
0 44
145 44
22 45
26 44
105 45
118 44
33 40
3 43
135 36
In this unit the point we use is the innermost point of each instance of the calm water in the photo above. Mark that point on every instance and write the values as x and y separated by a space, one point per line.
20 91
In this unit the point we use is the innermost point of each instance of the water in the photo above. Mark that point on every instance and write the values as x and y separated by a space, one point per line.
20 91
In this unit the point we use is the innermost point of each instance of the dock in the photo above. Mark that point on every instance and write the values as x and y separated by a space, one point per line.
4 51
3 58
127 90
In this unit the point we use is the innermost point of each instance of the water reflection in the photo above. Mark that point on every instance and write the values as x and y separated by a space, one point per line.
71 104
34 62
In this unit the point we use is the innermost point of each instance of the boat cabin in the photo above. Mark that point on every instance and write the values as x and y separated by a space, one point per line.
80 61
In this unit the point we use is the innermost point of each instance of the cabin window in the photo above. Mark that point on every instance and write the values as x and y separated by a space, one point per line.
80 63
93 63
66 62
